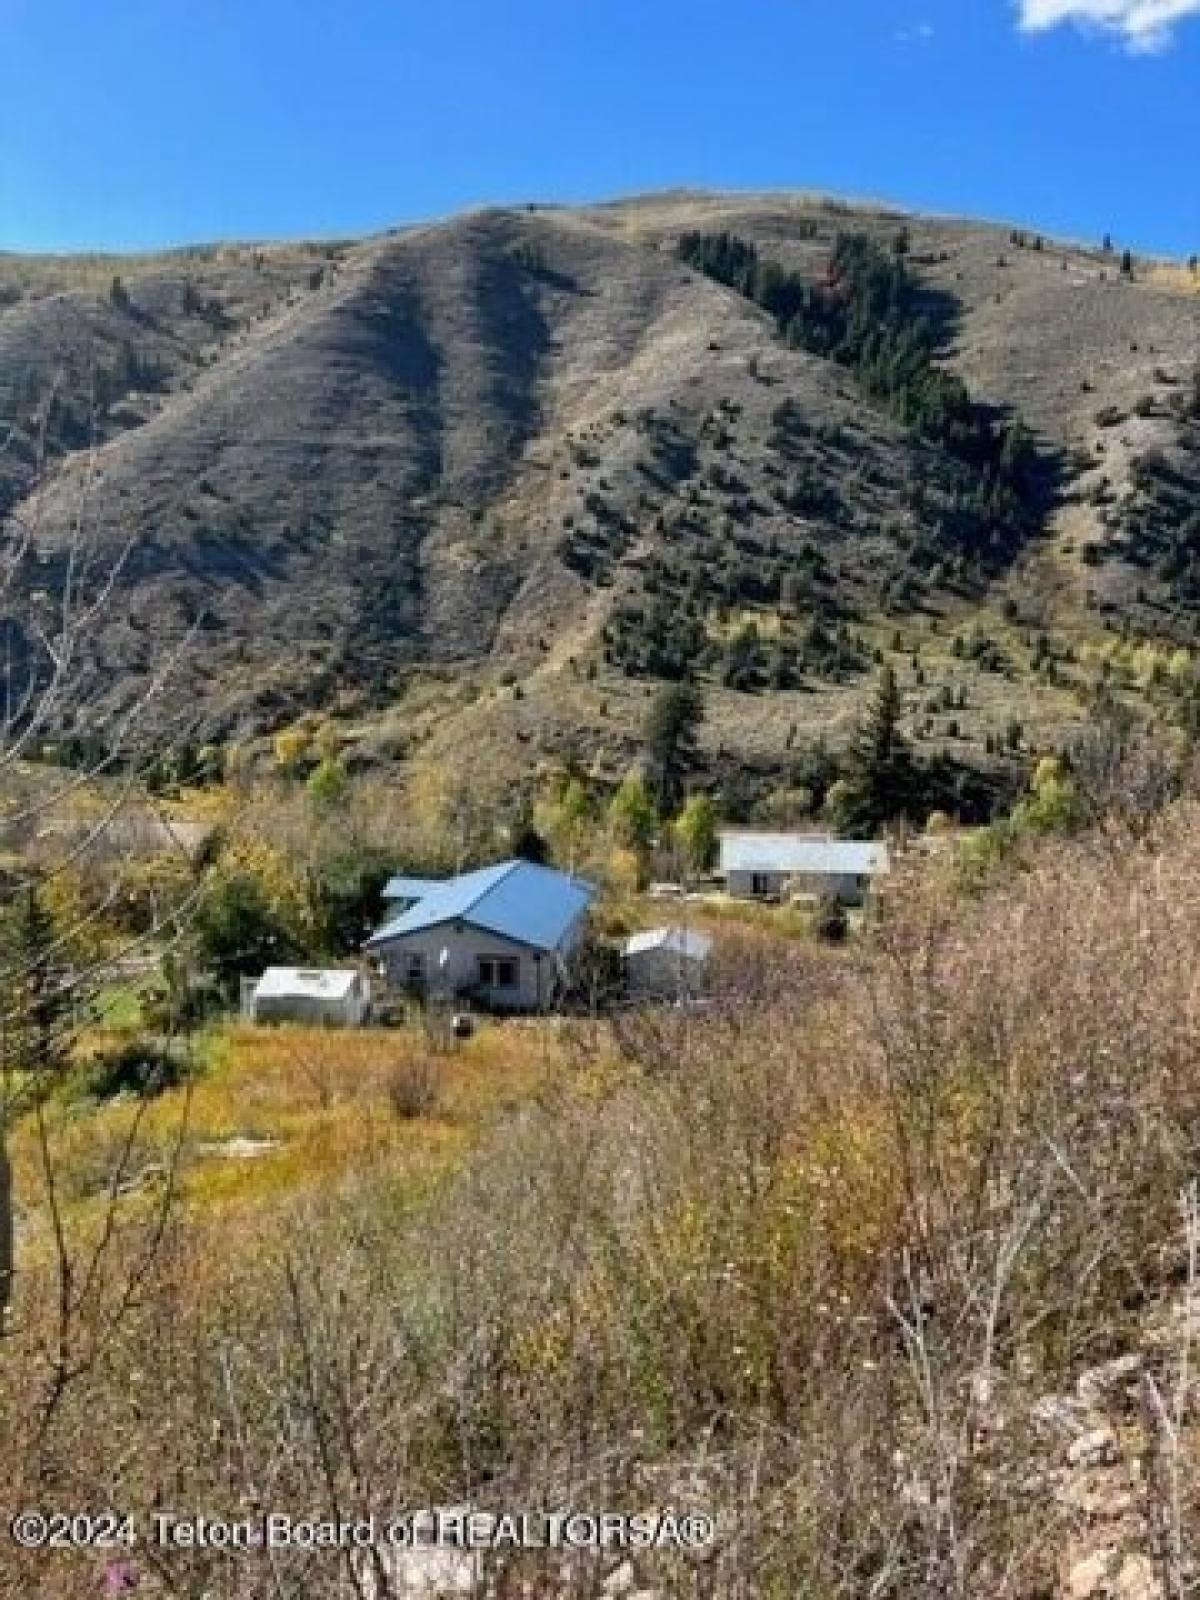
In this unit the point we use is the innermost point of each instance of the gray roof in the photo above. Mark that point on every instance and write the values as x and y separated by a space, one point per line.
676 941
796 854
532 905
312 983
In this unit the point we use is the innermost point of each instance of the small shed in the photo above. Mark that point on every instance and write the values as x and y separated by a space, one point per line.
666 963
329 997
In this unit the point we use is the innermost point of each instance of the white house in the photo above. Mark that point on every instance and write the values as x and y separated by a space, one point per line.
666 963
503 935
769 866
328 997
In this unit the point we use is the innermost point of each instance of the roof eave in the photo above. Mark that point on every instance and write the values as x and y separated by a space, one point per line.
383 937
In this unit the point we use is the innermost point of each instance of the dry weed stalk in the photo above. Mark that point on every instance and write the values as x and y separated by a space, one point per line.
91 1278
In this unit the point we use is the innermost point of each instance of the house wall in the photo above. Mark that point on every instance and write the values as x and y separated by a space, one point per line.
349 1012
844 886
537 976
664 973
741 885
847 887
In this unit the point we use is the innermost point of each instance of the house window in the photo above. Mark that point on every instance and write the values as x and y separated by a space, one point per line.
760 885
497 972
414 968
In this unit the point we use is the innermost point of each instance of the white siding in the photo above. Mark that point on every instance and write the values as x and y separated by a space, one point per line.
348 1011
537 973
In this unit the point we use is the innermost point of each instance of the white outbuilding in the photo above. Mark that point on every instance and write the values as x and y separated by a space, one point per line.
323 997
774 866
666 963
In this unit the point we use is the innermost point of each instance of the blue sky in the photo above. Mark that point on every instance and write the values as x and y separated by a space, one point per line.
132 123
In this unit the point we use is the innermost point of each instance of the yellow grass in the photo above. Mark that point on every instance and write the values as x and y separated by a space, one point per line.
1181 279
322 1096
781 921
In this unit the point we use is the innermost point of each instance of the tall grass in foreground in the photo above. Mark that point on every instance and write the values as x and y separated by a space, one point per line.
810 1262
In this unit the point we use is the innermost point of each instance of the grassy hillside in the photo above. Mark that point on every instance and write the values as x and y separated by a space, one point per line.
481 484
886 1262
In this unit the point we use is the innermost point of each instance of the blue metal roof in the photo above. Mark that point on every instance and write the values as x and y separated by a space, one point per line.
532 905
402 888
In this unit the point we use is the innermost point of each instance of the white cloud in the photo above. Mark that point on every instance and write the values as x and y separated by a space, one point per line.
921 33
1146 25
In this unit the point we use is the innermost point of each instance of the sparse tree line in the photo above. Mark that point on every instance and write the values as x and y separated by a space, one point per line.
869 315
709 562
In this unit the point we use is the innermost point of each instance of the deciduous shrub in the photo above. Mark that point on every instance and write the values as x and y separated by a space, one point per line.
414 1088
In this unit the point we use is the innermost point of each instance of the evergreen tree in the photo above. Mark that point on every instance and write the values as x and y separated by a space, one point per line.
39 1011
878 737
674 716
524 838
879 778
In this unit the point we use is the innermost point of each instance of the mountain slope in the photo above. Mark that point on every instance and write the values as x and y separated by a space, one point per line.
537 455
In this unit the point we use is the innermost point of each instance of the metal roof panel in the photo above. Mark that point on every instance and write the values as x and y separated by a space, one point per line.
687 942
310 982
799 853
519 900
403 888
